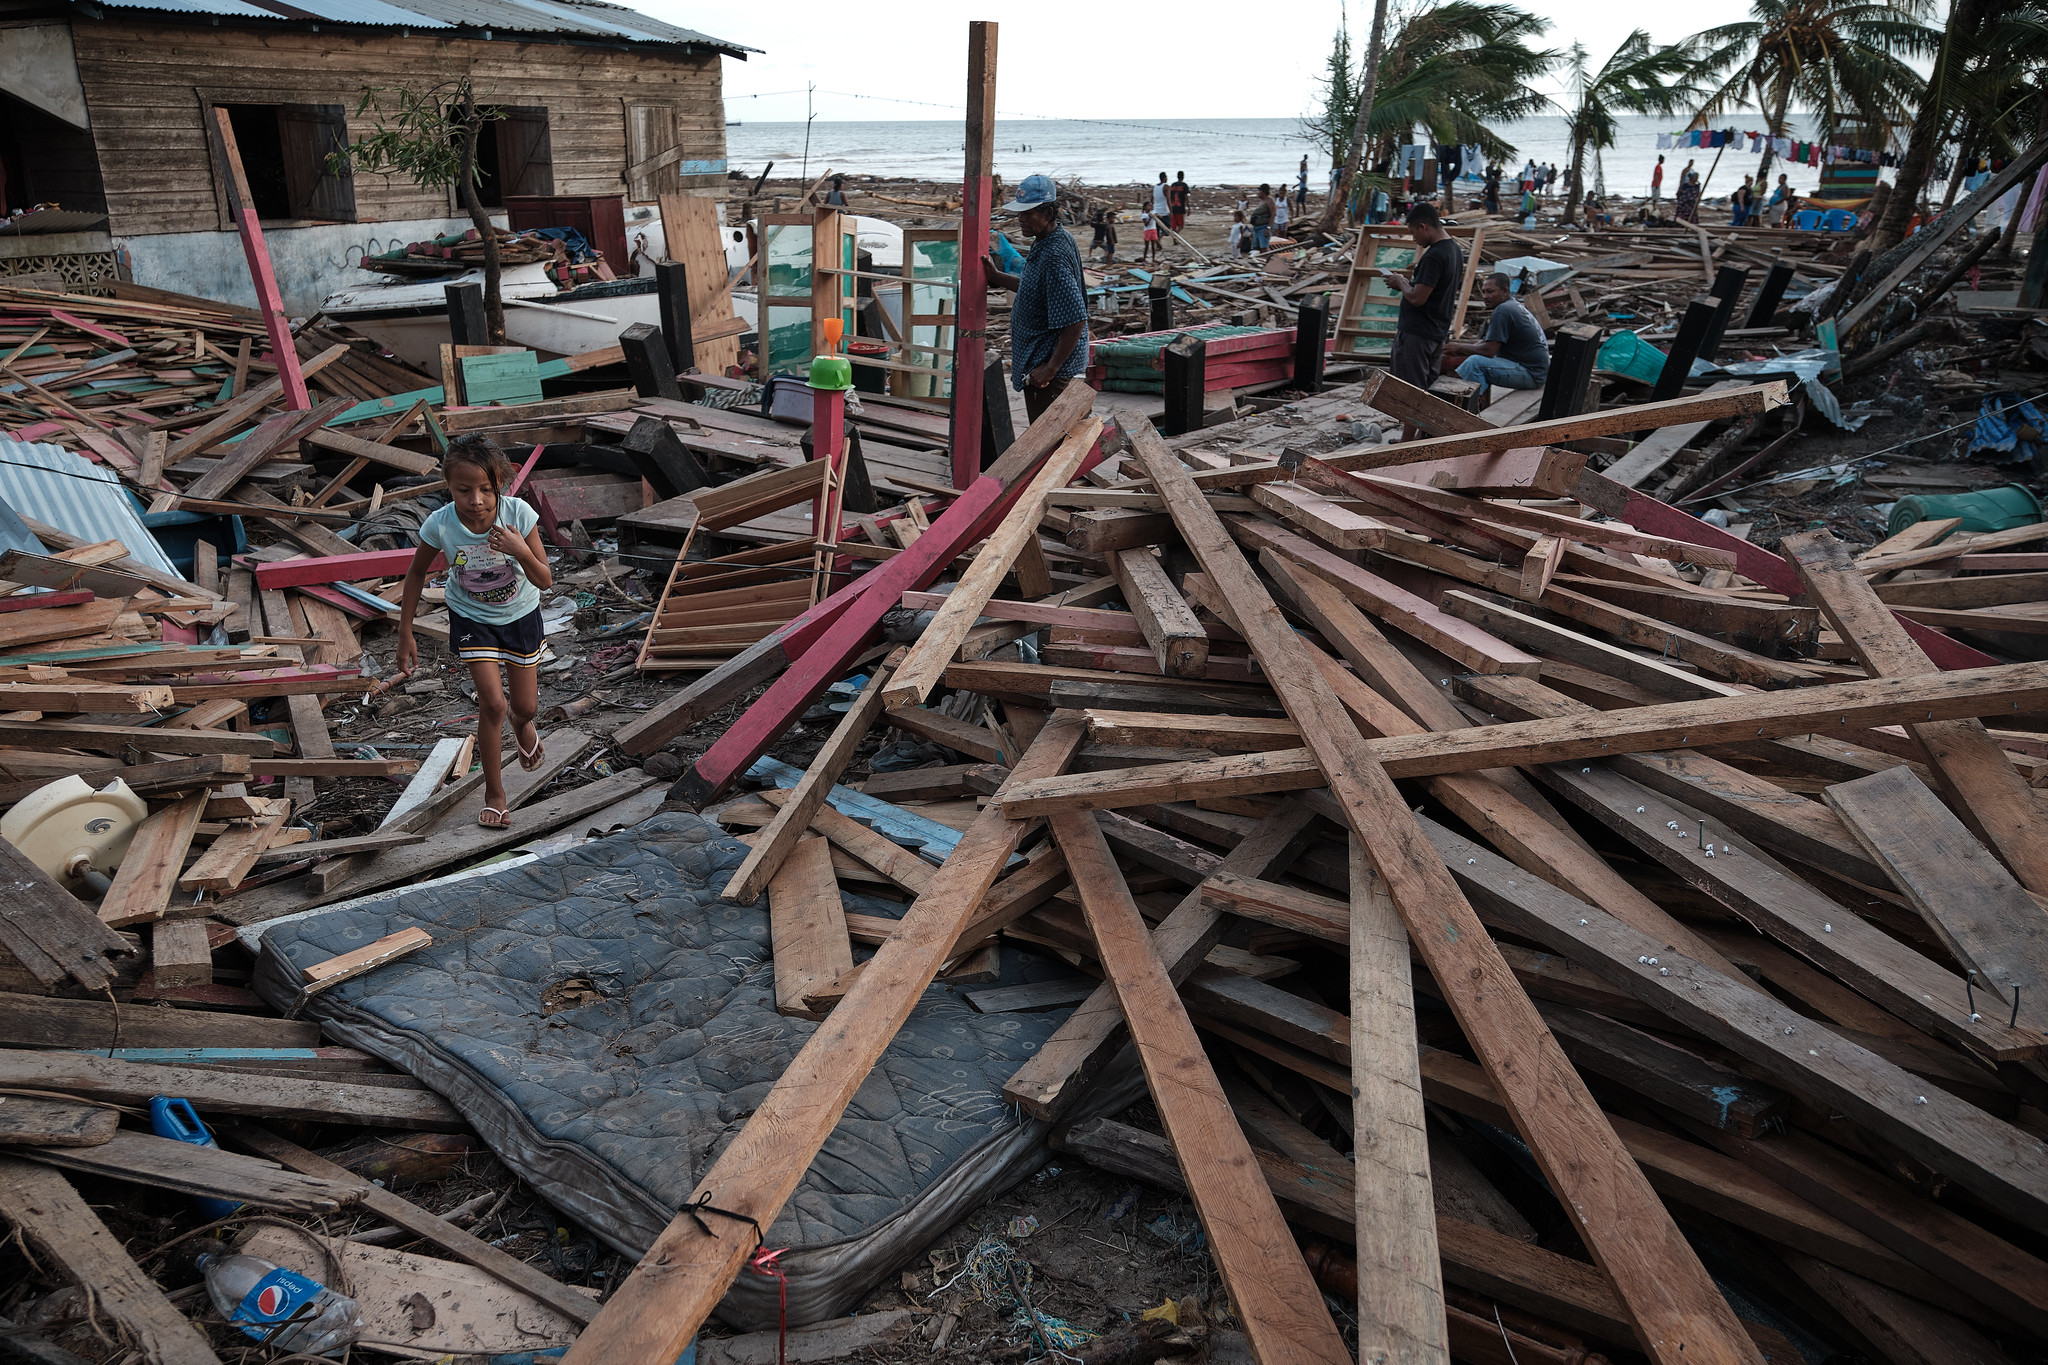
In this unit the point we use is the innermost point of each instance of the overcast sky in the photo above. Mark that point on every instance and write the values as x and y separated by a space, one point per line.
1080 58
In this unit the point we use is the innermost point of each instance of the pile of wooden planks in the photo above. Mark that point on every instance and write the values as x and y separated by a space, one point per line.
1401 799
116 375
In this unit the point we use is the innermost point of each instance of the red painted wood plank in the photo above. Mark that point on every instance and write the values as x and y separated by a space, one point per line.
45 599
1753 562
831 643
341 601
297 573
91 328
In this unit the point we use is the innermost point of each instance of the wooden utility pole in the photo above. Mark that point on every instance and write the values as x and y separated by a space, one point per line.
970 341
283 350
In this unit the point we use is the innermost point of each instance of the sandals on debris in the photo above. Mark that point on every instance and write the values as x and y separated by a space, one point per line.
503 818
530 759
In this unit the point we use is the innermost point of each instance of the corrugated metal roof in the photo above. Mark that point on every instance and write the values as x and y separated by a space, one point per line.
50 484
229 8
365 12
592 18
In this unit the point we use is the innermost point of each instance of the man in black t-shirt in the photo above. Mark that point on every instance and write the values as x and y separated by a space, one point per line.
1428 300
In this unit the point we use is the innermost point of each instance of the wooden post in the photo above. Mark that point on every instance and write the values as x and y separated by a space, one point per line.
970 343
647 361
283 350
828 443
1728 283
1159 293
1769 294
1571 367
672 290
1685 348
663 460
1186 378
1311 326
466 324
998 425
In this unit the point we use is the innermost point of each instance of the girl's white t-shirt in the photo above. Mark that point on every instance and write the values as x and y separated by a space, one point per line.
484 584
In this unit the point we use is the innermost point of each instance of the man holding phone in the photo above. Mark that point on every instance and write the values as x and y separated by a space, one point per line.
1427 302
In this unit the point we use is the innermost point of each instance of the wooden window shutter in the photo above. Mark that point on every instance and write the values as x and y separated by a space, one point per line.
653 151
310 133
525 158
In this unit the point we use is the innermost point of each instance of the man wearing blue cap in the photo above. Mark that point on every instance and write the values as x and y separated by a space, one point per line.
1049 321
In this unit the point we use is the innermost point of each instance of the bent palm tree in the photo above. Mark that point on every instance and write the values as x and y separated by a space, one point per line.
1985 45
1839 59
1640 78
1456 67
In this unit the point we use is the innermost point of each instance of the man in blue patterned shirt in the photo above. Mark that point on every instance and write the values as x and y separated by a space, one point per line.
1049 321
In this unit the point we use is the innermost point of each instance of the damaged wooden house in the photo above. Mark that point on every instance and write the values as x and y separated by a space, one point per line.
105 112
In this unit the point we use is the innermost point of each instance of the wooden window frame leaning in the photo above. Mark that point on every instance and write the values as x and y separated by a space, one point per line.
1678 1313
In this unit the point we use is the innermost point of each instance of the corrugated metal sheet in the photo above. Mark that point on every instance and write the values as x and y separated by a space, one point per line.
230 8
367 12
49 484
592 18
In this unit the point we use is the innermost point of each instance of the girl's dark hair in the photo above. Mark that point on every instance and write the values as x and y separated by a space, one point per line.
482 452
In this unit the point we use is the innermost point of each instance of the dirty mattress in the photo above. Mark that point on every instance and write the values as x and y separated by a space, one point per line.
607 1024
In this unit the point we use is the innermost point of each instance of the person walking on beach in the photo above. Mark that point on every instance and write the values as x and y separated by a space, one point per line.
1261 218
1240 234
1160 207
1049 320
1177 201
1657 184
1739 202
1150 219
1782 198
1280 215
1493 188
1689 195
1105 236
1428 299
1301 188
1511 354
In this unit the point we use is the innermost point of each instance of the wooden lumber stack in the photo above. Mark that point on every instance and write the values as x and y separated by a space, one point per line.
1422 797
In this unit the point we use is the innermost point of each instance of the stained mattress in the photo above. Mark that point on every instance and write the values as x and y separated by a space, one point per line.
607 1024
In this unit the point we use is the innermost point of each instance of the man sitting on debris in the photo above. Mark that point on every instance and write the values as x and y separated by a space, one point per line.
1512 354
1427 301
1049 321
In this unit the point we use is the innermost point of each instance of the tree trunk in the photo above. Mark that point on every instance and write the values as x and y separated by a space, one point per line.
1776 128
1332 212
1966 157
1964 19
1575 185
473 204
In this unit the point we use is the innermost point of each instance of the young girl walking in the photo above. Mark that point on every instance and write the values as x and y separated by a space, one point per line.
496 569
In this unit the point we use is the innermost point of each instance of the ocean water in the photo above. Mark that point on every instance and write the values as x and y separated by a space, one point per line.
1211 151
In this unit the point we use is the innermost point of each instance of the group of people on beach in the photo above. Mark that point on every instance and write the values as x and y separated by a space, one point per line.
1746 207
1254 223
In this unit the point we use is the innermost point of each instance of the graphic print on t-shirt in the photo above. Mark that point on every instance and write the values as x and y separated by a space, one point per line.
487 575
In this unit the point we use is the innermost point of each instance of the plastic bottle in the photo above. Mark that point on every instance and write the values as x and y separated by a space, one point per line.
259 1296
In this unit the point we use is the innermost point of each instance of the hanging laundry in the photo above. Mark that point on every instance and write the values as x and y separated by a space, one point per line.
1663 141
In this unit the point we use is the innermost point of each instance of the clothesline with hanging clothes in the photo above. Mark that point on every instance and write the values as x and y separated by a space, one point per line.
1786 149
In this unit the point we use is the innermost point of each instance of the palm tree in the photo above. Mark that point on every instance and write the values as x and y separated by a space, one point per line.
1454 67
1640 78
1984 59
1839 59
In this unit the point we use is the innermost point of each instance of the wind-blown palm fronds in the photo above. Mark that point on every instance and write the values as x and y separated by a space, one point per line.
1838 59
1640 78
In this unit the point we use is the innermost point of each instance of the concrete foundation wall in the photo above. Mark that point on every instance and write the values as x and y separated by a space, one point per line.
310 262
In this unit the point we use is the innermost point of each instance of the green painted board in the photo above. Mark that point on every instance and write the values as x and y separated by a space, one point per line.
511 378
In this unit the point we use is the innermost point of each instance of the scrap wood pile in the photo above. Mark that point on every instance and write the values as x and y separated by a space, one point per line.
117 374
1451 775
